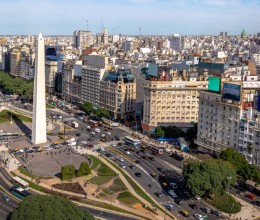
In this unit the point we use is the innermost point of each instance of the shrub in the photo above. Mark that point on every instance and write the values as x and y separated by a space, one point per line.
67 172
83 169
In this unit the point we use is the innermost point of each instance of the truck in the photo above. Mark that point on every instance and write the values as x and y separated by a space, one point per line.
74 124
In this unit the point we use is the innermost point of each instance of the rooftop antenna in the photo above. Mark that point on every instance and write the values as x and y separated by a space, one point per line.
87 25
140 31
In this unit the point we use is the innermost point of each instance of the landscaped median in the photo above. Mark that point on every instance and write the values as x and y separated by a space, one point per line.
8 116
138 189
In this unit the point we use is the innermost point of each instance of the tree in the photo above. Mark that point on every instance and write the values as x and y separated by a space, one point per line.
83 169
172 132
67 172
207 177
238 161
42 207
159 132
102 112
88 107
191 133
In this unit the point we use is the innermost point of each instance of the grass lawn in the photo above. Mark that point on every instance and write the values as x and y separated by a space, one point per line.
117 186
25 172
225 203
127 198
95 162
99 180
5 116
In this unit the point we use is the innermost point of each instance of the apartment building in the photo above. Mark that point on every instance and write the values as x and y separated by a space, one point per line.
92 73
72 82
174 102
15 62
226 122
118 94
50 75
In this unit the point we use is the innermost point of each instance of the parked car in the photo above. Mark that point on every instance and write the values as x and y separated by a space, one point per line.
169 207
153 174
179 201
132 166
122 165
199 217
160 169
193 206
173 185
138 161
151 158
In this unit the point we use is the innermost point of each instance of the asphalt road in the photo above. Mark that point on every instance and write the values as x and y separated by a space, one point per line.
147 166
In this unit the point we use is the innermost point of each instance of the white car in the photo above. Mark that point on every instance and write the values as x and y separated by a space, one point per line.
97 130
173 185
113 145
169 207
84 142
172 194
122 165
199 217
92 132
128 152
197 198
108 133
59 117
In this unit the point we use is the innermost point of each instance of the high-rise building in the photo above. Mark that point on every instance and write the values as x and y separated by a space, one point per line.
177 42
50 75
82 39
105 37
92 73
171 102
223 34
118 94
15 62
39 101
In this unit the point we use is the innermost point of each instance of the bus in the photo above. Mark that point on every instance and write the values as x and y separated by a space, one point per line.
19 192
20 182
94 123
155 150
132 141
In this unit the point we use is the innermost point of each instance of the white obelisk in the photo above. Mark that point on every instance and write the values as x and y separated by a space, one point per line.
39 103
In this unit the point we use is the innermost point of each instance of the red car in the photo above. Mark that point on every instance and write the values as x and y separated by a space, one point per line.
251 196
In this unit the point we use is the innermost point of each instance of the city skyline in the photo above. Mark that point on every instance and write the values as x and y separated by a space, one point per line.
148 17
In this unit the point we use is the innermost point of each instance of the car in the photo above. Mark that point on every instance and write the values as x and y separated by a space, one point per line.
158 194
117 138
172 194
138 174
5 197
206 209
199 217
193 206
120 144
92 132
251 196
144 157
216 212
113 145
169 207
97 130
197 198
173 185
138 152
78 134
160 169
138 161
185 213
132 167
164 184
84 142
109 133
122 165
127 152
179 201
151 158
49 132
153 174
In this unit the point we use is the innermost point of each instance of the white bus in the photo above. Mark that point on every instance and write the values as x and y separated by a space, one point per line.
132 141
20 181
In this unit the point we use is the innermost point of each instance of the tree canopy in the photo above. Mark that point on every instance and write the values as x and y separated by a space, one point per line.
207 177
102 112
241 165
88 107
159 132
172 132
16 85
37 207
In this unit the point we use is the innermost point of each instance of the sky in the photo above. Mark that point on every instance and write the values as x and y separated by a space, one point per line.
128 17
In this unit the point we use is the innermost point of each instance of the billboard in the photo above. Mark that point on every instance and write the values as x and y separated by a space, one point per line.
214 84
153 70
231 91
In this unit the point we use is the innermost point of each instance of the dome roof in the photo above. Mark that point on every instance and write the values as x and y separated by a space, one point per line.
243 34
